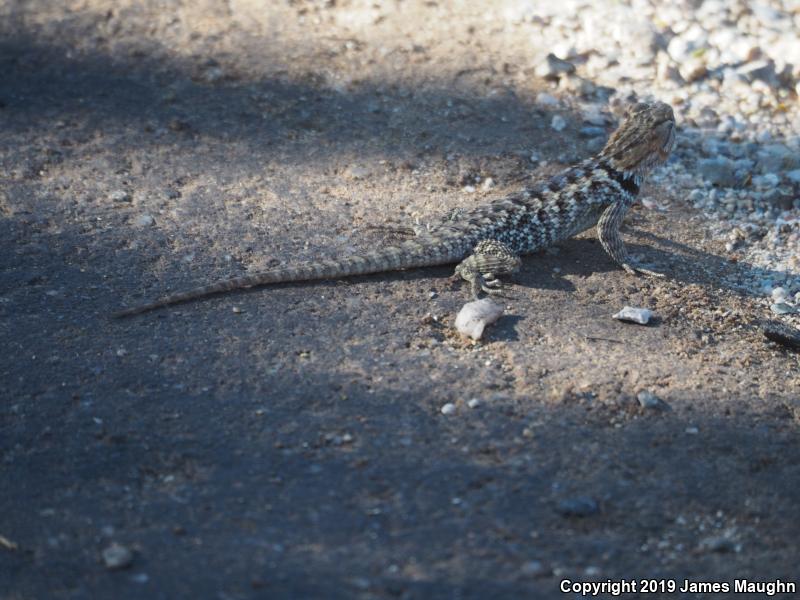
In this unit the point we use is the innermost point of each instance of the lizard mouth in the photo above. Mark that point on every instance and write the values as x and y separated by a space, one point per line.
665 150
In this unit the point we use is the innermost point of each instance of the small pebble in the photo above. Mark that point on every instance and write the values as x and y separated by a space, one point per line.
692 430
357 172
717 544
144 220
648 399
630 314
473 403
8 544
120 196
213 74
474 316
554 67
719 171
448 409
781 308
547 100
591 131
117 556
532 568
580 506
558 123
779 294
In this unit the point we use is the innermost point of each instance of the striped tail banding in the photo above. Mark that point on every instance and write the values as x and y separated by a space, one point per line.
393 258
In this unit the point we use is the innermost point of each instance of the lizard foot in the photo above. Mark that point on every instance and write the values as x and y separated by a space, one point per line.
489 260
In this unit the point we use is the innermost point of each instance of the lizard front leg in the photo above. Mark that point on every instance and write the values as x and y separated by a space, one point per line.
608 231
489 260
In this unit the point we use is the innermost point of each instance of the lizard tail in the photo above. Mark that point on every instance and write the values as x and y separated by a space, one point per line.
393 258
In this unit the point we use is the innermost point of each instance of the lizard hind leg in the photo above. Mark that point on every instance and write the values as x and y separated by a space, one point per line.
489 260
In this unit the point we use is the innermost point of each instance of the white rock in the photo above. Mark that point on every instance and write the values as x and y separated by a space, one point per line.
558 123
666 70
769 180
763 70
781 308
641 316
473 403
648 399
779 294
358 172
120 196
679 49
548 100
577 85
117 556
213 74
144 220
593 115
693 69
474 316
448 409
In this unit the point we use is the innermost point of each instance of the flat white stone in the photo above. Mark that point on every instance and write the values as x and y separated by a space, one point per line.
474 316
641 316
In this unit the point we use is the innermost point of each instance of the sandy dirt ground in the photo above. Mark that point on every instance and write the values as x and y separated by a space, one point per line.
288 442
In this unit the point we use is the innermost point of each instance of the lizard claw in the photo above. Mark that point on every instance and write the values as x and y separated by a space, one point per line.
492 287
490 259
641 271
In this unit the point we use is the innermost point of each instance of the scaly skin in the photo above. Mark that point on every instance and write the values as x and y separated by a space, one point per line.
598 191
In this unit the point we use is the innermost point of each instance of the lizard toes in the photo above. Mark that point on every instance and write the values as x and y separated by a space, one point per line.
651 273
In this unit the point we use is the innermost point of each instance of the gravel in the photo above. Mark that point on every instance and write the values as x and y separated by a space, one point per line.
719 171
731 71
781 308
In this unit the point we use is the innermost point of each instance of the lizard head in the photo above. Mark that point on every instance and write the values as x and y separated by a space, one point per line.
644 139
